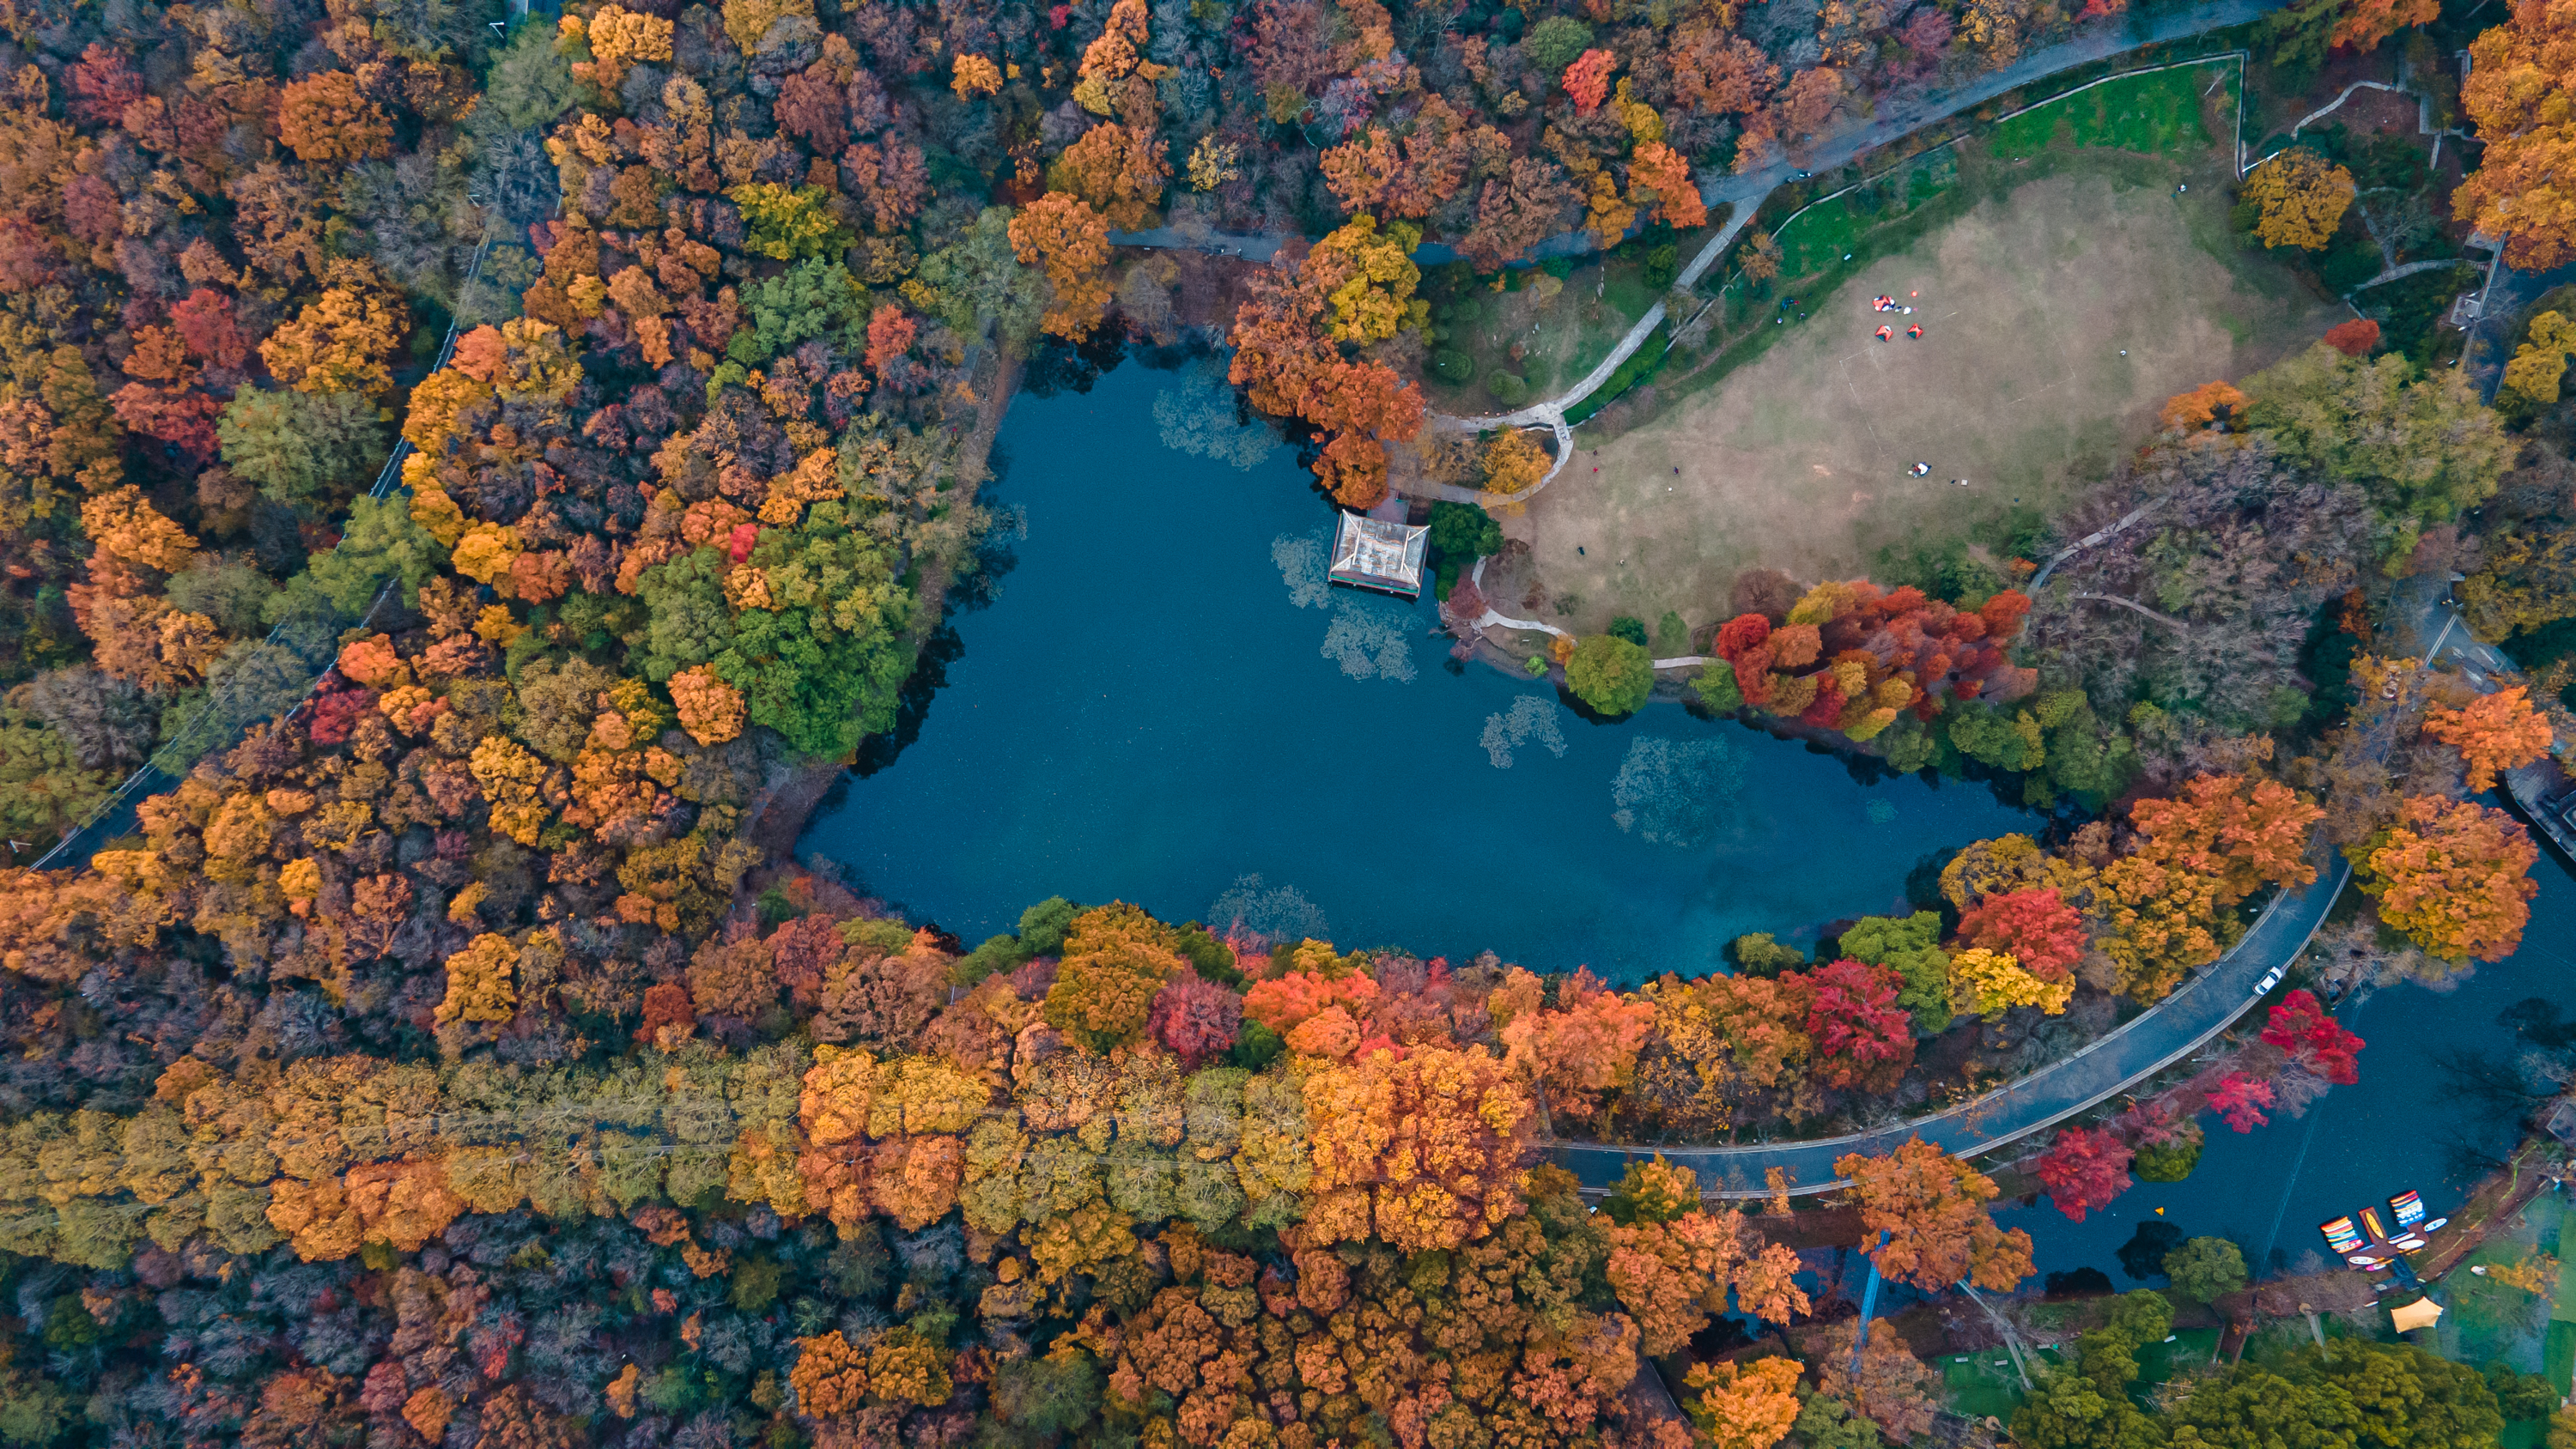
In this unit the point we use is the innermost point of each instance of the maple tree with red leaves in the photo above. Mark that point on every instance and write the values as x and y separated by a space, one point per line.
2301 1026
2240 1100
2085 1169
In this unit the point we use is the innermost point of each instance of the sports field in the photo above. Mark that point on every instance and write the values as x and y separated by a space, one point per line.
2058 316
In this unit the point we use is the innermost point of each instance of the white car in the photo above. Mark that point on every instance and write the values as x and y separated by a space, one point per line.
2270 979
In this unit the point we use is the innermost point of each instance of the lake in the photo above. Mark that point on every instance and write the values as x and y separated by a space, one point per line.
1167 705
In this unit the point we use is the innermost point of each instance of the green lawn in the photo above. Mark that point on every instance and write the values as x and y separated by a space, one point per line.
2558 1355
2190 1348
1981 1383
2155 114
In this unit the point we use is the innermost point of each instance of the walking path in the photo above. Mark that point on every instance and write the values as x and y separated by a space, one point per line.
2166 1033
1745 194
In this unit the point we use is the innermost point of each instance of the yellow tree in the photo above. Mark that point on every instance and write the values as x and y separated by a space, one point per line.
1991 983
2302 196
1368 277
1062 234
340 341
1744 1405
2521 92
1424 1153
2541 362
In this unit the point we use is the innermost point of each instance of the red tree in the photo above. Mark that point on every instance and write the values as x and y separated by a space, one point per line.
1860 1031
2301 1026
2241 1100
1196 1018
2355 338
2085 1170
2036 928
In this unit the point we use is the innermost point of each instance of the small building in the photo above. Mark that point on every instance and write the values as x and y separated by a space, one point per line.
1373 553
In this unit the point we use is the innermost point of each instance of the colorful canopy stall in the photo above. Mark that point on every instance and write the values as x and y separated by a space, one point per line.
1373 553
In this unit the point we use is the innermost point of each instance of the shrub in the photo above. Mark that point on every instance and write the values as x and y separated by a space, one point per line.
1611 674
1508 388
1454 366
1629 628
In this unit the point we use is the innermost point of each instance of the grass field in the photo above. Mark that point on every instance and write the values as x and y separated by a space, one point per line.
2058 315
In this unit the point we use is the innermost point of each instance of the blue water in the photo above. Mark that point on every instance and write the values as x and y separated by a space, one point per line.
1147 712
2395 1129
1154 710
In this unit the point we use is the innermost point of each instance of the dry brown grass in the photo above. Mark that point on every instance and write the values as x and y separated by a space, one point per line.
1797 461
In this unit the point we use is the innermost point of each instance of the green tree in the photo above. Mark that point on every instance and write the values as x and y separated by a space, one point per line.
2086 1405
1553 43
1717 689
2351 1391
306 449
1910 946
686 619
1461 533
382 544
789 223
43 789
1611 674
977 281
1630 628
530 84
1043 925
1054 1394
2171 1160
2206 1269
823 665
809 299
2423 448
1759 955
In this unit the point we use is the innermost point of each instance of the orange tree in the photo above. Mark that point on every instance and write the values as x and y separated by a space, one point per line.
2493 732
2521 93
1062 234
2197 855
2454 876
1932 1207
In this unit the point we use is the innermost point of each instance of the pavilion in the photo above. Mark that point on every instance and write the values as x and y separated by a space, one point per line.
1373 553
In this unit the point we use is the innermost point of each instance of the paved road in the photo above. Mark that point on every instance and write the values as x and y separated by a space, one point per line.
2165 1033
2425 625
1888 123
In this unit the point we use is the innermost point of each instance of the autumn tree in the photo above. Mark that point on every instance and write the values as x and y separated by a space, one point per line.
1423 1152
1116 959
2521 77
1063 235
2084 1170
2197 855
1932 1207
2539 364
2301 196
325 118
1743 1405
2037 928
2453 876
2494 732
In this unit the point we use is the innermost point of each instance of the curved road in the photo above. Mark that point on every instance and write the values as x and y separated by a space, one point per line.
2155 1039
2148 1043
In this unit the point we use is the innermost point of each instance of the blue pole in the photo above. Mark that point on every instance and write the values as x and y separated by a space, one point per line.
1868 1306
